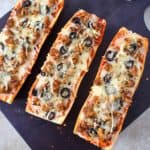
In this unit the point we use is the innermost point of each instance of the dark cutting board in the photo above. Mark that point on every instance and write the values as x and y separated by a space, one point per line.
40 134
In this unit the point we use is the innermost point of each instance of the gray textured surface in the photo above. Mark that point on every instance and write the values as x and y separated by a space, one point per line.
9 137
137 135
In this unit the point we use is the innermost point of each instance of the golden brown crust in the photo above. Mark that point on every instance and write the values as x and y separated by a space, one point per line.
81 125
20 12
54 54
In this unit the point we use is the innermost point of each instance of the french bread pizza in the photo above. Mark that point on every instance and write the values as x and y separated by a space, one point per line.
55 88
103 113
21 39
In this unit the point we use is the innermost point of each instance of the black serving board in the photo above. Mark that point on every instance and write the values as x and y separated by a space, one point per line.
40 134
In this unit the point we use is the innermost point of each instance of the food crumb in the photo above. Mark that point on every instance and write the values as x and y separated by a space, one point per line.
64 124
147 78
52 146
59 129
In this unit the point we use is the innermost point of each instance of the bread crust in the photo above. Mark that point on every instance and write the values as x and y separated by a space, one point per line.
79 129
80 14
17 10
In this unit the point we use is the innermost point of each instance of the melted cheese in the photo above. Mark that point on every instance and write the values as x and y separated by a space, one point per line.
67 79
20 34
108 92
4 79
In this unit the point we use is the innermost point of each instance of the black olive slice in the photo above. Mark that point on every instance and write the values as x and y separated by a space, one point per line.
129 64
38 25
73 35
51 115
90 24
2 46
110 55
132 47
47 9
65 92
76 20
88 42
8 57
26 3
34 92
92 131
60 66
63 50
24 22
107 78
43 73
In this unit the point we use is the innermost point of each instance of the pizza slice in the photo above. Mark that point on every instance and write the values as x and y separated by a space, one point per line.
54 90
21 39
103 113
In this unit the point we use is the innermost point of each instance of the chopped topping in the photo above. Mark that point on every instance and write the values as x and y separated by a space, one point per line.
51 115
76 20
73 35
110 55
63 50
88 42
65 93
107 78
26 3
34 92
129 64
